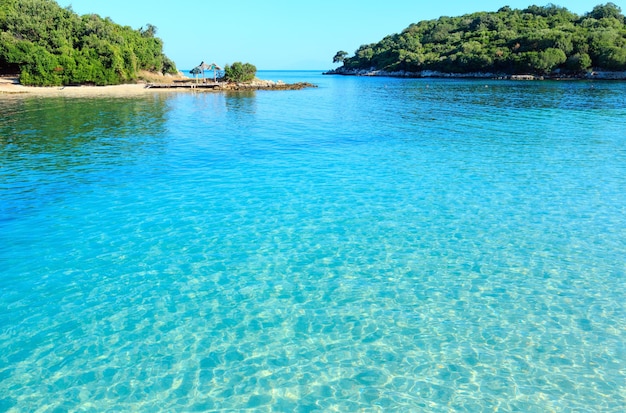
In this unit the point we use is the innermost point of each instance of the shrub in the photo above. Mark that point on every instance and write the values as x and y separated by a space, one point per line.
239 72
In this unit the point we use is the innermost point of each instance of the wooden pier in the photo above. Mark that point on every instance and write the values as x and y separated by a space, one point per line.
184 85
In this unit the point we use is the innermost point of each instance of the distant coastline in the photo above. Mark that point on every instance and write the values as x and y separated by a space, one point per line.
594 75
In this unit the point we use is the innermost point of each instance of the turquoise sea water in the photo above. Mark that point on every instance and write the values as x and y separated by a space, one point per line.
369 245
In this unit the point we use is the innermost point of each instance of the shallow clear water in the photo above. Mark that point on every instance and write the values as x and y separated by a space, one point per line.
368 245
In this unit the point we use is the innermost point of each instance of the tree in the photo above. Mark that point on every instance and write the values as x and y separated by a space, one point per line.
340 56
548 60
606 11
50 45
239 72
613 58
149 31
578 62
42 68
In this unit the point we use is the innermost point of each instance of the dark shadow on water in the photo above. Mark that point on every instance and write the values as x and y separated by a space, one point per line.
241 102
70 127
49 147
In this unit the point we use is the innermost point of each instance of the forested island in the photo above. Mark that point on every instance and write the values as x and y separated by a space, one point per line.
541 41
48 45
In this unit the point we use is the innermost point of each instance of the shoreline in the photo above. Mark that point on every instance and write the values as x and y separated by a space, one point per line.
10 87
595 75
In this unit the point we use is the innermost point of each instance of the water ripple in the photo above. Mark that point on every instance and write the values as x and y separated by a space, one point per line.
369 245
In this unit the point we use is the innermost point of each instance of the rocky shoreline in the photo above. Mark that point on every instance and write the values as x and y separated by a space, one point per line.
595 75
265 85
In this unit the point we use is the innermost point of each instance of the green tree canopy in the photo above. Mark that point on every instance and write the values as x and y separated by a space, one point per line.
608 10
538 40
340 56
239 72
50 45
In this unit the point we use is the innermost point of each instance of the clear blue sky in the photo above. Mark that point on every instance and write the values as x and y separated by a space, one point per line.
284 34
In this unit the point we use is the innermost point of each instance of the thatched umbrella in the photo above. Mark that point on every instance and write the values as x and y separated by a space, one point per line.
196 71
203 66
215 68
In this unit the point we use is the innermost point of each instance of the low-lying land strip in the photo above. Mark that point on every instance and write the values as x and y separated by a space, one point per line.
11 86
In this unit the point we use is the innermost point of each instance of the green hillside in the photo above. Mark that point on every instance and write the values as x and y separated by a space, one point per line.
536 40
50 45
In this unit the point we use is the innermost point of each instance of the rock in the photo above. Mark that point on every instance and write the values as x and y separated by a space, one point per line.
266 85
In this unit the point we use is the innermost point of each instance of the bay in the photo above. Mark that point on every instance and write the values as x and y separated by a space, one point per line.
372 244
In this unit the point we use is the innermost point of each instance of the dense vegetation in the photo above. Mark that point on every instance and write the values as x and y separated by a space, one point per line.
51 45
239 72
537 40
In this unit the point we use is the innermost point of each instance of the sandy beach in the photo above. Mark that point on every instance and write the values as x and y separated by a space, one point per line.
11 87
